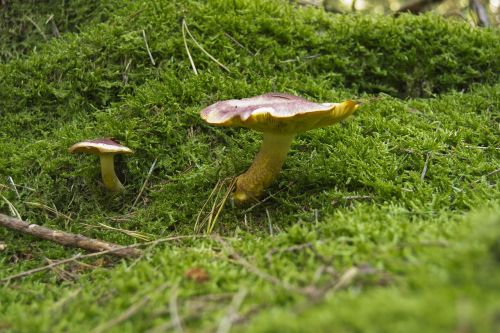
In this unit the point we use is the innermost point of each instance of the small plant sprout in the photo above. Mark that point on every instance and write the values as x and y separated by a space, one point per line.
106 149
280 117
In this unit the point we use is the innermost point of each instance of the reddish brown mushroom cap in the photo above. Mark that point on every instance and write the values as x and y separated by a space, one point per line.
99 147
277 113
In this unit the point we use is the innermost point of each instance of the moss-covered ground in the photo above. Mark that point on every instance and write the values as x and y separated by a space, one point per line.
387 222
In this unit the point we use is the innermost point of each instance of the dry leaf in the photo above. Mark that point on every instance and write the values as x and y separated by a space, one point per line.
197 275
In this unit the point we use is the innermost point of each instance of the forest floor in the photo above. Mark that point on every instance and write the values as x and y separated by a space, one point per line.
386 222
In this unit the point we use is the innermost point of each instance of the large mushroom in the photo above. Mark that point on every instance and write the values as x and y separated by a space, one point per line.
280 117
106 149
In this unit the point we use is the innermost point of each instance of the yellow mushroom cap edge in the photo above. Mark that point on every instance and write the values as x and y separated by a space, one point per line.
277 113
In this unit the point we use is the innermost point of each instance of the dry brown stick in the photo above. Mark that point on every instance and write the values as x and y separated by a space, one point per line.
66 238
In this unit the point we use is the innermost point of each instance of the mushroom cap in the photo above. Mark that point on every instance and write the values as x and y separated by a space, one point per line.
99 147
277 113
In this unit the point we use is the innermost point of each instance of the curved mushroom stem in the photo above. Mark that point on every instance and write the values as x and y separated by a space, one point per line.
265 167
108 174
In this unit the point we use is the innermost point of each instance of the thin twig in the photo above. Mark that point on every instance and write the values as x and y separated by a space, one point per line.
11 181
135 234
291 248
126 70
65 238
481 147
129 312
211 218
346 278
44 268
238 259
174 312
309 57
151 169
198 225
269 222
63 274
37 27
353 198
232 312
195 313
494 172
183 29
55 30
12 208
271 195
62 302
201 47
95 254
147 47
221 204
426 166
239 44
49 209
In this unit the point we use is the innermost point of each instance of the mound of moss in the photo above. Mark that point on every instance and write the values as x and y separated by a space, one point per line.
383 194
26 25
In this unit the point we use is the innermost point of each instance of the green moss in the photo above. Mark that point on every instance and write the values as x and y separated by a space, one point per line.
26 25
356 192
444 290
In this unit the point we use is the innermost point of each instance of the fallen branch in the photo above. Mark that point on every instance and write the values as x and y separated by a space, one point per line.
66 238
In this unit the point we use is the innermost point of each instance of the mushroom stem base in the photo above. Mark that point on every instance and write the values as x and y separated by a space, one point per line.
109 178
264 169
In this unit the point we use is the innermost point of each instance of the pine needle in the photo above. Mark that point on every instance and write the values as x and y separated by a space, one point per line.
187 48
186 29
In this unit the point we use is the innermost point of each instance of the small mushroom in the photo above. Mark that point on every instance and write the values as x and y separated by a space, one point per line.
106 149
280 117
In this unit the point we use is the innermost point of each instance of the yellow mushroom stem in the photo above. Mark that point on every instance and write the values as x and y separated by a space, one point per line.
109 178
265 167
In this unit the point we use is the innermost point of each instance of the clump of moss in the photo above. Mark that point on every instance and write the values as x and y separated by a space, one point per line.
404 56
373 192
27 25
